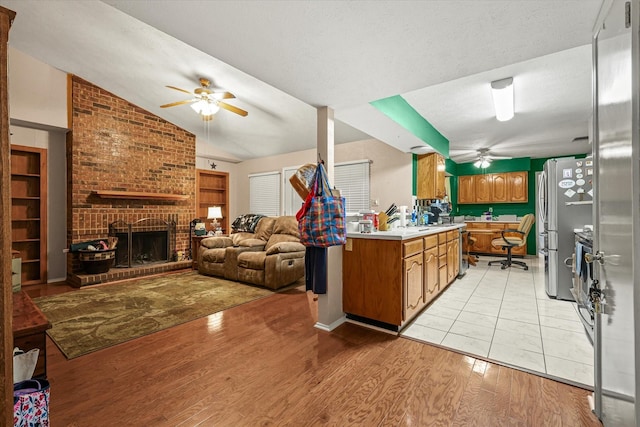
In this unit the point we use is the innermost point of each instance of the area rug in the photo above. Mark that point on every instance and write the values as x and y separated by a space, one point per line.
91 319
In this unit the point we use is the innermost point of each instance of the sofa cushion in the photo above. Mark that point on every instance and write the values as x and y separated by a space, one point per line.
246 223
216 242
251 243
214 255
265 228
283 247
280 238
252 260
286 225
236 238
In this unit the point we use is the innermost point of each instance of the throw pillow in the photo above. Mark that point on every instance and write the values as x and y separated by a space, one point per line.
246 222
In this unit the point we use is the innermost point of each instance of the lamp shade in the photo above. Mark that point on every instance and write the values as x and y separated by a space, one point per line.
214 212
205 107
502 91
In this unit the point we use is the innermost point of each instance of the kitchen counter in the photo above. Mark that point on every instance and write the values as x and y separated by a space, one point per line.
406 233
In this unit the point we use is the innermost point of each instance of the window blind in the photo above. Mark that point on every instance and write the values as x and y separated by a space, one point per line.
264 193
352 179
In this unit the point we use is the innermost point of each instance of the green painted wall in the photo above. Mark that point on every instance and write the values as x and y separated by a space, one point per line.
497 166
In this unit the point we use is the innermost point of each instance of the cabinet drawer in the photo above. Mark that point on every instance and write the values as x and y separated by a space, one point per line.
430 241
412 247
452 235
442 238
442 249
491 226
442 261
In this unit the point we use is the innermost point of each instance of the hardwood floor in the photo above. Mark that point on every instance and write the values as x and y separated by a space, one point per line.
263 363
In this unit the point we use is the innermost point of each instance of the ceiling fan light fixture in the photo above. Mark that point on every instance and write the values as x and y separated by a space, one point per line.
503 103
482 163
205 108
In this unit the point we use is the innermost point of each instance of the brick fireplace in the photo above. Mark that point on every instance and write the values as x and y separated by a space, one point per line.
125 164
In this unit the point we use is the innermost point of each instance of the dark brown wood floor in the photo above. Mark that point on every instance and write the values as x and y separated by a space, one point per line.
263 363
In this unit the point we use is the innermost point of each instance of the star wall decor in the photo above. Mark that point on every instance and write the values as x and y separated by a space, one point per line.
213 165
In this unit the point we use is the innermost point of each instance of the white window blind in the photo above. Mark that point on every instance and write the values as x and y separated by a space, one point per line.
264 194
352 179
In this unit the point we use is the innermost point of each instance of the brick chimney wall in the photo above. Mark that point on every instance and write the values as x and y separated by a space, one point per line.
117 146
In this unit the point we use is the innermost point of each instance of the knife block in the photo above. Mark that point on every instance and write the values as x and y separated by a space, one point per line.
382 221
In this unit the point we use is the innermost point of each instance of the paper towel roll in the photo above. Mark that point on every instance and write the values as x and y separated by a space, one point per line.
403 216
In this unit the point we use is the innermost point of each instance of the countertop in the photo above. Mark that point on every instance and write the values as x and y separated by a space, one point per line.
494 222
406 233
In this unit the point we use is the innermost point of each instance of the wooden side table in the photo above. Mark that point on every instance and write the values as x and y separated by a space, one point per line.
195 244
29 329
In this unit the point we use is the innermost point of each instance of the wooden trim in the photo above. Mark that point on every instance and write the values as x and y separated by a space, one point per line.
104 194
6 305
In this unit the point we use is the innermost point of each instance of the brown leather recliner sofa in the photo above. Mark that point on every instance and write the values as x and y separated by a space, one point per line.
270 256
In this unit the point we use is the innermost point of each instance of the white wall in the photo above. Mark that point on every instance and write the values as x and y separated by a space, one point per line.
391 172
37 92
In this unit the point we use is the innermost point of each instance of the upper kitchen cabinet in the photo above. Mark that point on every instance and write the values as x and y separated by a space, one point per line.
518 187
430 182
508 187
466 189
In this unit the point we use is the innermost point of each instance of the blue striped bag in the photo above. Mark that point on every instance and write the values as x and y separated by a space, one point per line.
321 220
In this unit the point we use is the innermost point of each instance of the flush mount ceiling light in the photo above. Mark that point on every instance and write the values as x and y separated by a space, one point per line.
421 149
502 91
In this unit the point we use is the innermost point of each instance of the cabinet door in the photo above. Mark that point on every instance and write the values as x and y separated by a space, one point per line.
483 243
483 188
500 188
440 187
450 262
431 271
518 188
456 258
466 189
413 290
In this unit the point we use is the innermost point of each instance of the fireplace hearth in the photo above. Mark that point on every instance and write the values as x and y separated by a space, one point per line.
145 242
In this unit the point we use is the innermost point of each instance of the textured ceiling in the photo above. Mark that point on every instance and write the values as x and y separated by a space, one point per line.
283 58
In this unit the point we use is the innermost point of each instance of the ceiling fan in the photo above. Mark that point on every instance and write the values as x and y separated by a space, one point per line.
485 158
205 101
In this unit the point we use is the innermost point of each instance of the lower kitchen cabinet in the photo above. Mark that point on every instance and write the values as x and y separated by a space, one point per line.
485 232
391 281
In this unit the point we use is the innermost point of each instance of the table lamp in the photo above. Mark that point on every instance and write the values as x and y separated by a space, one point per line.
214 213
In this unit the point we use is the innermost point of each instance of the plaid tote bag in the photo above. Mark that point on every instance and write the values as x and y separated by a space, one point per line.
321 220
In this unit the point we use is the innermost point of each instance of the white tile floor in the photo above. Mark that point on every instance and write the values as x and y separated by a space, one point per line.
505 316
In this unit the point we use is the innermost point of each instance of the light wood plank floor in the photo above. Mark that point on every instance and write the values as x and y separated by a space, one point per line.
263 363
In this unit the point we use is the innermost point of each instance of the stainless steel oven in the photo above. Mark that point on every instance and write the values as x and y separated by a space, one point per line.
583 280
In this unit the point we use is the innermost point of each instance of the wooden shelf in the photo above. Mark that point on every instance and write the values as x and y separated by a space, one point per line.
138 195
212 189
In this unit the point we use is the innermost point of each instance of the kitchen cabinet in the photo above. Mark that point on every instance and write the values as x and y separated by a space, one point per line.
485 232
453 256
413 288
500 188
431 269
518 187
430 177
466 189
391 281
508 187
483 188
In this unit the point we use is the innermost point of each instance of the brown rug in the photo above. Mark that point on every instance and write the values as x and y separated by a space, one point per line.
91 319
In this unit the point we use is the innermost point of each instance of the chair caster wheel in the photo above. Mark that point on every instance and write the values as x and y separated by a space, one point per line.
503 267
526 268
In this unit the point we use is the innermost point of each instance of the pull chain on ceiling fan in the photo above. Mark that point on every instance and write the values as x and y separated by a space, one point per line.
206 102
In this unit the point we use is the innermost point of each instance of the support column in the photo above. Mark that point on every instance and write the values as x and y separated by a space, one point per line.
330 314
6 305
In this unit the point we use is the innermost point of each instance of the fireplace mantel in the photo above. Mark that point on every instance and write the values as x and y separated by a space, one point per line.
104 194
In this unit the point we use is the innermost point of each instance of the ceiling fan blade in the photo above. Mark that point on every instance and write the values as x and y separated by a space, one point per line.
232 108
223 95
173 104
181 90
492 157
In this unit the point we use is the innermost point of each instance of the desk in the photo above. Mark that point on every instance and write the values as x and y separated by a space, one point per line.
29 329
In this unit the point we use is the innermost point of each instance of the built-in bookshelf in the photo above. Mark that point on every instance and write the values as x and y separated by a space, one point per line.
29 211
212 190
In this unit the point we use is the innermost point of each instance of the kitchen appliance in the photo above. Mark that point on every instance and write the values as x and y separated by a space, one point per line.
583 279
566 203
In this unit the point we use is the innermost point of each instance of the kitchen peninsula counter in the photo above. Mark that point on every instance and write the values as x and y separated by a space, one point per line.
390 276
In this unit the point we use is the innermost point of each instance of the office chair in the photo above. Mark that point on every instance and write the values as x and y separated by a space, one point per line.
509 242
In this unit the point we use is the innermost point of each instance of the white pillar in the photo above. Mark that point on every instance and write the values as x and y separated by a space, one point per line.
330 314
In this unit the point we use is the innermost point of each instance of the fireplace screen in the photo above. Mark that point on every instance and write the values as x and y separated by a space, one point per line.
146 241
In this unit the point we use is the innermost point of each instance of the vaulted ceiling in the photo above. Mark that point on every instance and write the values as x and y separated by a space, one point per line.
282 59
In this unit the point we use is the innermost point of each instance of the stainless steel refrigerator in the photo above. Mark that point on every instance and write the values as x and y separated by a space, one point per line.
616 244
566 203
